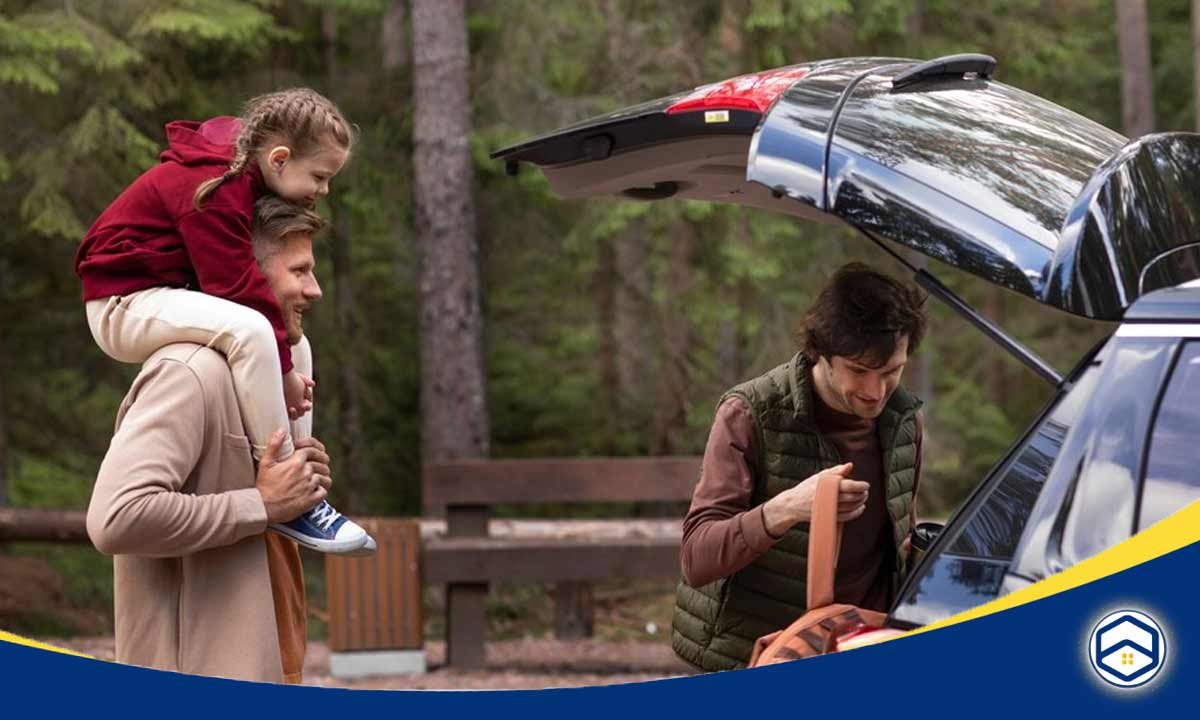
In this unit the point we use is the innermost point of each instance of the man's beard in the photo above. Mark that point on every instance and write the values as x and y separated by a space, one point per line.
293 323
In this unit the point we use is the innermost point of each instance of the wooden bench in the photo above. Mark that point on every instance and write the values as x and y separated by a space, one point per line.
467 558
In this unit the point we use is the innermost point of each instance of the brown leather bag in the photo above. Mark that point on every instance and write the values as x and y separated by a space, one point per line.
818 630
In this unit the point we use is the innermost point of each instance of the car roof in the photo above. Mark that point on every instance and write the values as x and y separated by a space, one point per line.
1001 183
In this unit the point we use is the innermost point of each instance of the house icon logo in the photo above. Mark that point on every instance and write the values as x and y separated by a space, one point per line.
1127 648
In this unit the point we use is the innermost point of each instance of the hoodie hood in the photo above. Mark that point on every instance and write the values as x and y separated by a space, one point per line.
208 143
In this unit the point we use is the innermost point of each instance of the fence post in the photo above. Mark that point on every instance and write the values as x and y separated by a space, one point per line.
574 616
466 603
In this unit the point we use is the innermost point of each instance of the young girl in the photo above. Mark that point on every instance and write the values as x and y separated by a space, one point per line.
185 226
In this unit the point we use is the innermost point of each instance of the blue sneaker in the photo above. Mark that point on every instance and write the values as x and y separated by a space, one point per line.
325 530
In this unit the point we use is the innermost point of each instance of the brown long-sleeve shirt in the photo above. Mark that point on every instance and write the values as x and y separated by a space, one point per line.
722 533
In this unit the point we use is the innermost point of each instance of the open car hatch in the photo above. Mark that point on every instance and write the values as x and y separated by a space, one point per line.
935 156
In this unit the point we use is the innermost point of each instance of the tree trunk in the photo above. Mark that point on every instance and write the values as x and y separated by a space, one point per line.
675 380
605 283
349 377
729 32
997 372
634 337
454 417
3 404
3 439
1137 89
916 21
729 342
732 363
392 42
349 418
1196 59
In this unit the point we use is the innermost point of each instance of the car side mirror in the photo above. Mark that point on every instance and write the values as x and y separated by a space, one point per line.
924 534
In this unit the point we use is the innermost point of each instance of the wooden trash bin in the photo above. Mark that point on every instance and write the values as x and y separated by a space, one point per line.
375 618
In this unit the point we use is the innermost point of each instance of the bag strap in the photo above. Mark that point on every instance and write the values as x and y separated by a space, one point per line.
824 542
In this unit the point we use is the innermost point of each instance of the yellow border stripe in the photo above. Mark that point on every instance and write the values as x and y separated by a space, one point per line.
17 639
1175 532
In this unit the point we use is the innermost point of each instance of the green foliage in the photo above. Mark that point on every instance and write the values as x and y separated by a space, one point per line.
956 462
29 73
103 127
765 15
87 573
196 23
45 208
40 623
1173 64
50 482
366 8
29 49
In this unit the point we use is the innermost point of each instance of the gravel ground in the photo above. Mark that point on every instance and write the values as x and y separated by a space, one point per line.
526 664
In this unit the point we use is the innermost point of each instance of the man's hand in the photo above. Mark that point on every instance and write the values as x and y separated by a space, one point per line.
293 485
795 505
297 394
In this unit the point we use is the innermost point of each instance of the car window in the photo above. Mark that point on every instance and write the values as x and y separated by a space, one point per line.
1108 452
970 570
1172 481
949 584
996 524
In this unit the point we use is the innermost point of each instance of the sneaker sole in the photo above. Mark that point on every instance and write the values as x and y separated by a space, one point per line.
367 550
325 546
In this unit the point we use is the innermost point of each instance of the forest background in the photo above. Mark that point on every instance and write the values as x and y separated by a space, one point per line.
591 328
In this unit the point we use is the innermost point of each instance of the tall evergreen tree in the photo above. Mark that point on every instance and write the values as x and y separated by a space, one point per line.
1137 85
454 413
1196 61
349 380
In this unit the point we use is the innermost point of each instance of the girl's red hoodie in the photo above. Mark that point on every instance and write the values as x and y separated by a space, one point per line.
153 236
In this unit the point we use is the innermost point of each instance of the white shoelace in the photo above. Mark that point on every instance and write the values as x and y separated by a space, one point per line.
324 515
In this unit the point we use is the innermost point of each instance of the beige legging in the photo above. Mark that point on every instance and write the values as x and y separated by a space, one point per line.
130 328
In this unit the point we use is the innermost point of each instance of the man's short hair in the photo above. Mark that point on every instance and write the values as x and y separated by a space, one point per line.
861 314
275 219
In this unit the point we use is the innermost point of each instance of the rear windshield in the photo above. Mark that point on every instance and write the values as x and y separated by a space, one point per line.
1014 156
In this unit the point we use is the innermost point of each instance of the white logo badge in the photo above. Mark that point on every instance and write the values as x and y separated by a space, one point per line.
1127 648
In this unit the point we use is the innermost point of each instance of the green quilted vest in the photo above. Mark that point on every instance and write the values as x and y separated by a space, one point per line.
715 626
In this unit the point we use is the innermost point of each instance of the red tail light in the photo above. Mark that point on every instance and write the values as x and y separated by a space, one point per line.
753 92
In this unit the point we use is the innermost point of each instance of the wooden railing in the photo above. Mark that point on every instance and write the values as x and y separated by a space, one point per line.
25 525
466 559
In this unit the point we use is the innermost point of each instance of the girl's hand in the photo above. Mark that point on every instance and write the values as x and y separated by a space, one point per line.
309 384
297 394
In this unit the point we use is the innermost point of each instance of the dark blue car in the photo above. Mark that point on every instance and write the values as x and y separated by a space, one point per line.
941 158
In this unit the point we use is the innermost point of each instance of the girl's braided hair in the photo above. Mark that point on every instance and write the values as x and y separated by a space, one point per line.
301 118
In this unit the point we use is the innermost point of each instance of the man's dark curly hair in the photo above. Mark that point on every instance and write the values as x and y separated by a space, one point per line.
861 314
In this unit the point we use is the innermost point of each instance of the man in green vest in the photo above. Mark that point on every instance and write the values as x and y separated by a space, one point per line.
837 407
